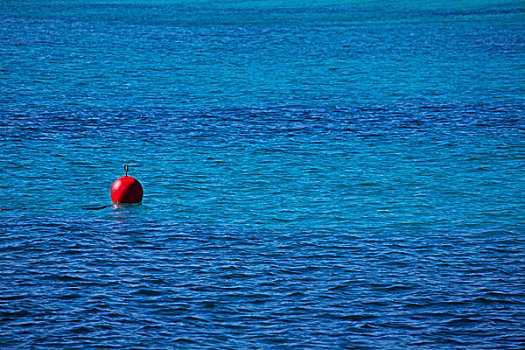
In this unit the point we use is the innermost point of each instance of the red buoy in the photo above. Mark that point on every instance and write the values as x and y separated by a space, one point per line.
126 189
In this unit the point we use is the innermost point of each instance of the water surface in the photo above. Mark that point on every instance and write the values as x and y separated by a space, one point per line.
317 175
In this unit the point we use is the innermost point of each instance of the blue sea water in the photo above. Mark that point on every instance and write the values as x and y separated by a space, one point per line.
317 174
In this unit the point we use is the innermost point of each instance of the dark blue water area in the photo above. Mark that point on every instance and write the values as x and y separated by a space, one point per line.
120 280
317 175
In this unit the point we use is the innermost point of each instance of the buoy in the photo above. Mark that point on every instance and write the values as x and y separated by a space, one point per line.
126 189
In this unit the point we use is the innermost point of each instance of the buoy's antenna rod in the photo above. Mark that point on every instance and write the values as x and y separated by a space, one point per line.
126 168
